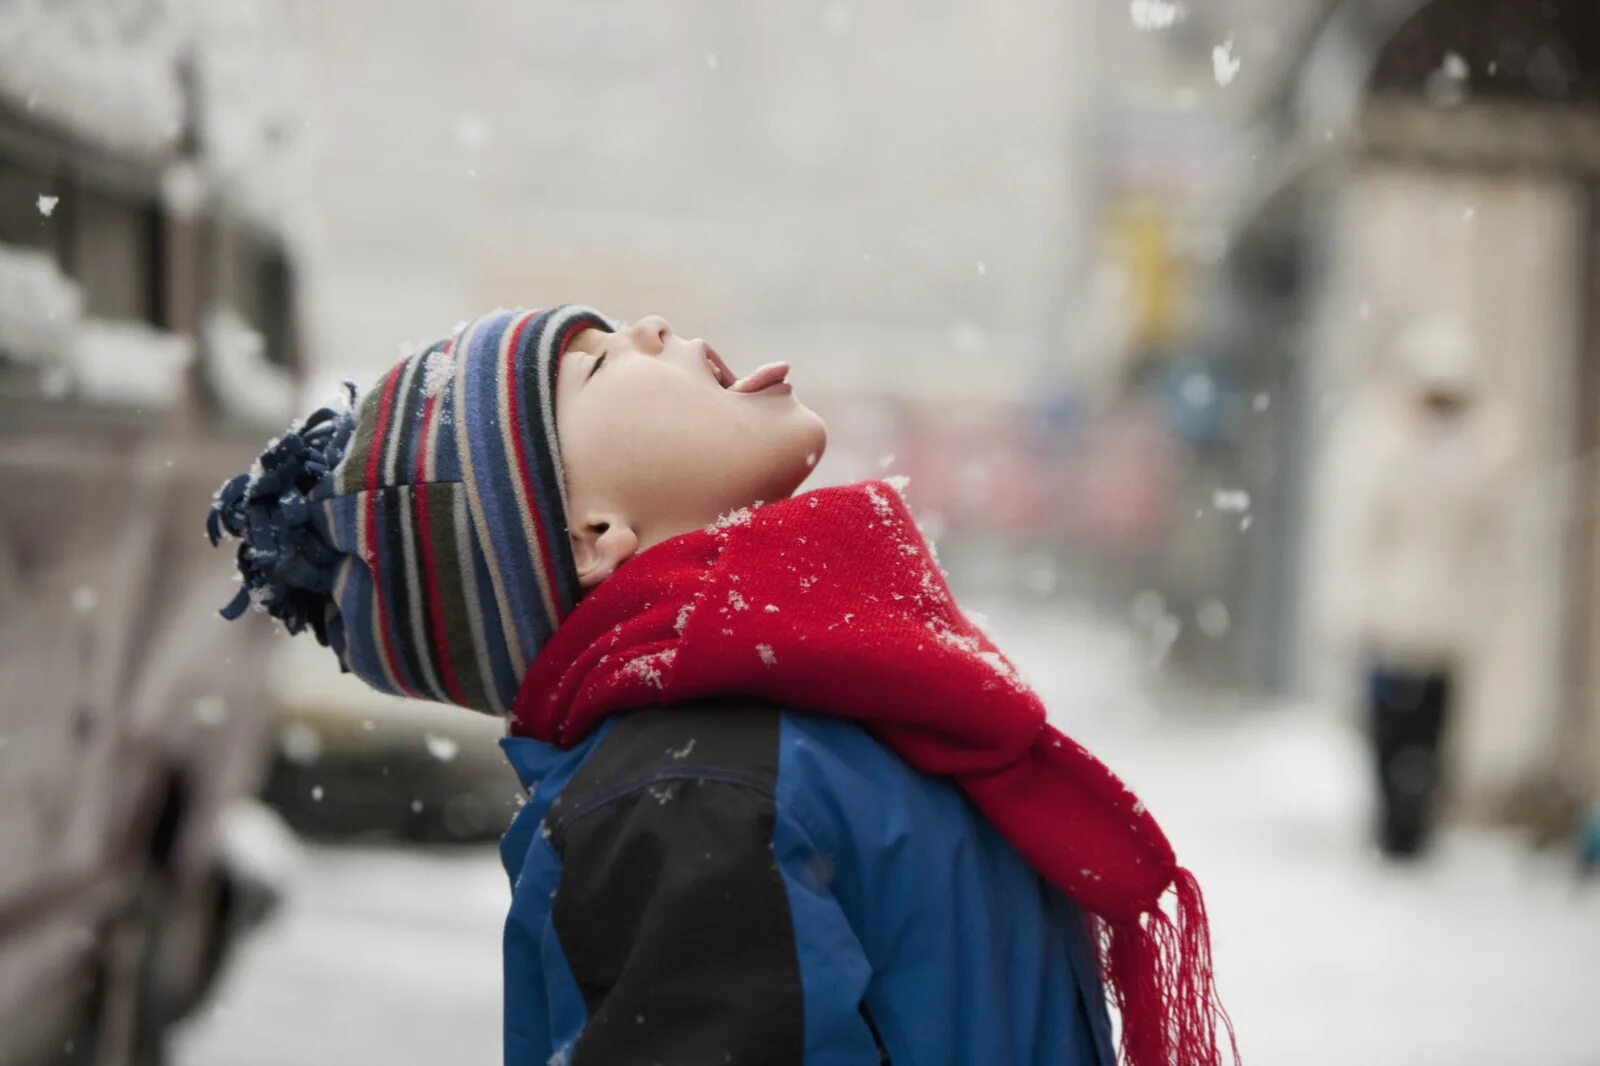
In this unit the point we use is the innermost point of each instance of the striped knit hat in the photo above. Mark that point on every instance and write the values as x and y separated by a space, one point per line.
423 535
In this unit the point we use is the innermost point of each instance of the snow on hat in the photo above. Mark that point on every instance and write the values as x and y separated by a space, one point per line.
423 534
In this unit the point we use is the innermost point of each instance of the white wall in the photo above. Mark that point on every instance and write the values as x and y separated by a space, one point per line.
817 183
1501 254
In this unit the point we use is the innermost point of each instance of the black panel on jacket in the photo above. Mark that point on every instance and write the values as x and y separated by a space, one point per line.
670 910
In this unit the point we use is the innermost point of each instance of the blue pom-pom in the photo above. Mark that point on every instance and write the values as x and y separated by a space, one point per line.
287 566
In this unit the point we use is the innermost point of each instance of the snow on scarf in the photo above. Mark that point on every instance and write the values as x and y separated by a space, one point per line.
831 602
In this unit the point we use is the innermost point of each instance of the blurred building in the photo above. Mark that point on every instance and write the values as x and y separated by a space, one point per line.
1174 452
1441 159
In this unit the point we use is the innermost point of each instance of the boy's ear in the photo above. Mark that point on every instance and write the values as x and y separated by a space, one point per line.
600 545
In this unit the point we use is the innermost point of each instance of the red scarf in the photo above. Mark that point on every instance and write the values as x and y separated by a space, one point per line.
831 602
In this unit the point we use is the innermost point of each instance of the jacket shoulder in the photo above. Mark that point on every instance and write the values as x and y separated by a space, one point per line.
733 741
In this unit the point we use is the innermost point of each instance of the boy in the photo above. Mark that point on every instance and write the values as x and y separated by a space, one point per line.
786 805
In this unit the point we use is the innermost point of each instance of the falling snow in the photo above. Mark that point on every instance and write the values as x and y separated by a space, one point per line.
1449 84
1213 618
1156 14
1231 500
442 748
1224 63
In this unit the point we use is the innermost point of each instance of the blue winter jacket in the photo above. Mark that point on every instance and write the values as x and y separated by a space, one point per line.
730 883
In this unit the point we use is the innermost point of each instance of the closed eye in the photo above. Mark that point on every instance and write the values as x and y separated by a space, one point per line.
596 366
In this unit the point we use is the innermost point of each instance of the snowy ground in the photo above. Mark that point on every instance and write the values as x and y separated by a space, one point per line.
379 956
1326 956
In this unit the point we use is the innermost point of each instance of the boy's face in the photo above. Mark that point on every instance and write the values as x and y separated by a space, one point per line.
655 443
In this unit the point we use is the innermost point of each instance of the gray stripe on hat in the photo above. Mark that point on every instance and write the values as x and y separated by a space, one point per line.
469 589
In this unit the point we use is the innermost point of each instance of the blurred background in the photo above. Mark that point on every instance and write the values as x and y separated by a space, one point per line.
1244 359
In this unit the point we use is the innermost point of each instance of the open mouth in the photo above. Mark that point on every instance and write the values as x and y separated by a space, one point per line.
719 369
762 377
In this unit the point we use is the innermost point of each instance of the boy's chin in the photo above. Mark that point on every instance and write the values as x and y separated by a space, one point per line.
808 453
813 437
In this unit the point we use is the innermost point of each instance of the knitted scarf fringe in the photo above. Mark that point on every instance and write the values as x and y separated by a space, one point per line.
1158 972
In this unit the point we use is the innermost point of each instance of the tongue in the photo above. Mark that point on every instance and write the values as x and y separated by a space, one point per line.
760 378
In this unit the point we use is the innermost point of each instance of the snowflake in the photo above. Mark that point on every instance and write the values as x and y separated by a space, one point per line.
647 667
765 651
739 517
881 505
1231 500
1224 63
1156 14
959 641
442 748
997 663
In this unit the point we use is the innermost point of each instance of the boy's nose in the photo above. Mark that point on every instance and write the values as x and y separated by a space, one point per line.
650 333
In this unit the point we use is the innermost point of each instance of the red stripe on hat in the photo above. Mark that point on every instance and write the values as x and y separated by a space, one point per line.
429 566
369 516
540 533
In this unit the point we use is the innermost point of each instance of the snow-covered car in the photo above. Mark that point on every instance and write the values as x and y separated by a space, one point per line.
131 733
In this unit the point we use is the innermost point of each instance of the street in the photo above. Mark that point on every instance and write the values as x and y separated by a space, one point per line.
378 955
1326 956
